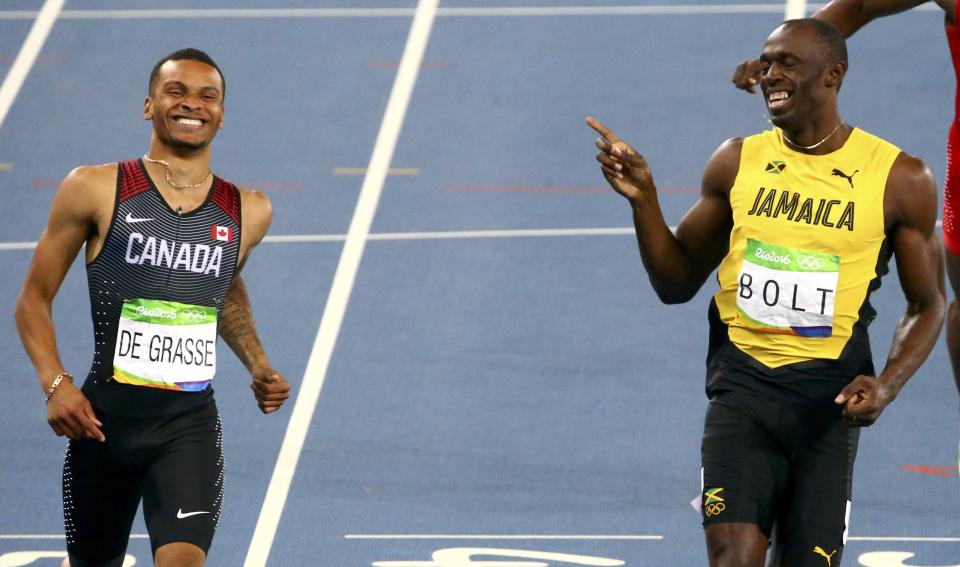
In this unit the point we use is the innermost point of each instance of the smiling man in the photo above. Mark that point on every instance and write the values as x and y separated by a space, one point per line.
165 242
801 221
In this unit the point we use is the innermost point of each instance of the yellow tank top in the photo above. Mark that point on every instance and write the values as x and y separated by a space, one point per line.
806 241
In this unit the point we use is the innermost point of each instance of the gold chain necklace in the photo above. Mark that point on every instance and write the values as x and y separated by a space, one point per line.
169 178
825 138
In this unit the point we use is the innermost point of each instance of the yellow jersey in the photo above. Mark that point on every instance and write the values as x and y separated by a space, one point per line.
806 248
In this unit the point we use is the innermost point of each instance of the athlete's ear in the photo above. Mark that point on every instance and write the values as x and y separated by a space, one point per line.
834 74
147 109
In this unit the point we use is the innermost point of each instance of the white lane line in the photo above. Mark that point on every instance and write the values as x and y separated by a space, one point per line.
343 281
291 238
28 54
692 9
239 13
504 537
17 245
501 233
18 14
438 235
906 539
540 11
795 9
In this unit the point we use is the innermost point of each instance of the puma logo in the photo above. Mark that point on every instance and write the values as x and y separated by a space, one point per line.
849 178
819 550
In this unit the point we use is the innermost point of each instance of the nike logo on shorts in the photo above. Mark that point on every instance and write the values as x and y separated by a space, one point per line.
181 515
132 219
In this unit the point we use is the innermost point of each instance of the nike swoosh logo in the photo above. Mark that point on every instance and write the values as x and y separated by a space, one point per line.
181 515
131 219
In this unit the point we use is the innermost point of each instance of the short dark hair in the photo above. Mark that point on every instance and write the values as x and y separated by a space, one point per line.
829 36
188 54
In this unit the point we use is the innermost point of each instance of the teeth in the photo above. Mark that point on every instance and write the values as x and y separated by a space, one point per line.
189 121
778 96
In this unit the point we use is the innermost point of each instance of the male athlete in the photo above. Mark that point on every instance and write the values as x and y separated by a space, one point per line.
165 242
801 221
848 16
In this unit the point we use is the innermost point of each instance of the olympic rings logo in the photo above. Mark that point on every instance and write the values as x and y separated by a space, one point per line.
810 262
192 315
714 509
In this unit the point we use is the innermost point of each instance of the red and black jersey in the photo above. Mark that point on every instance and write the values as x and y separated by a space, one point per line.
152 251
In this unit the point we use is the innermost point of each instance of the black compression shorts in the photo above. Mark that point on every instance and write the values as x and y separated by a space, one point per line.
173 463
785 468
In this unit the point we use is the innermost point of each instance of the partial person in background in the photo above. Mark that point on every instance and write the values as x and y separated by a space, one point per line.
165 242
848 16
800 222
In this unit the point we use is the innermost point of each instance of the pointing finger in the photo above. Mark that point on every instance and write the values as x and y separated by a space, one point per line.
602 129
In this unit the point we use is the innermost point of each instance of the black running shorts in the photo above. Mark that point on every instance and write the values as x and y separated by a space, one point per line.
785 468
173 463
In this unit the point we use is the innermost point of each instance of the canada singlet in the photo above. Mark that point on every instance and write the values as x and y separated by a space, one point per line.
157 289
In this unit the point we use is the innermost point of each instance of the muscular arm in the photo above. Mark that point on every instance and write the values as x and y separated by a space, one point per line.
848 16
73 219
920 268
677 264
911 196
237 327
67 229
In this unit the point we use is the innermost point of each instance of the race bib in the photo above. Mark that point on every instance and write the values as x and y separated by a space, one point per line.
165 344
787 290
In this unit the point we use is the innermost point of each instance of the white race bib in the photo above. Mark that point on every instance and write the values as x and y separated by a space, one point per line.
787 290
165 344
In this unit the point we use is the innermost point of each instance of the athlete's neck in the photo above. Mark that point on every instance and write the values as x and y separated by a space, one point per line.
817 137
183 166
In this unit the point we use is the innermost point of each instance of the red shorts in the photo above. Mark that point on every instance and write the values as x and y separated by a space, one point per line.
951 194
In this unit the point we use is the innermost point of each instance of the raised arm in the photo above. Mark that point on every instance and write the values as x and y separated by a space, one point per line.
237 327
679 263
848 16
911 198
74 215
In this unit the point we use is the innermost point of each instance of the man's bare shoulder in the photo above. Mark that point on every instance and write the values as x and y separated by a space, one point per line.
91 179
722 168
912 191
255 202
256 209
88 189
911 174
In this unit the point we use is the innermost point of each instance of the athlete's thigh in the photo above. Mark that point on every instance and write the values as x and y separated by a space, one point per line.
812 528
184 484
100 498
744 468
